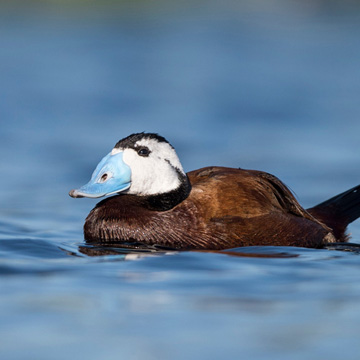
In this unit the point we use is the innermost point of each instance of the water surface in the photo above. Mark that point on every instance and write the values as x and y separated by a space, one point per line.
270 86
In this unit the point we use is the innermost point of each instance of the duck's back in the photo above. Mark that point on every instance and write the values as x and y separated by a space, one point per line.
226 208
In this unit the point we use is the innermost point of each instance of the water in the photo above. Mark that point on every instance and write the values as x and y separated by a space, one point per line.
264 85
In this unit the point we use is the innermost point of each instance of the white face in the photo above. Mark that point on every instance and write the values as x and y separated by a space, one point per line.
155 173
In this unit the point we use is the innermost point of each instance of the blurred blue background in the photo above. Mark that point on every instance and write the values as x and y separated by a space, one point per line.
269 85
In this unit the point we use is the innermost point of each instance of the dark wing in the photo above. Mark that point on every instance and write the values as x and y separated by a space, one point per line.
256 208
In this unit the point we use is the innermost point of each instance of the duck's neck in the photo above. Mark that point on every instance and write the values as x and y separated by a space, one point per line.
168 200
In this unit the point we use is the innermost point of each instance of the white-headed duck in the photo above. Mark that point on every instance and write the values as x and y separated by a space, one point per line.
157 204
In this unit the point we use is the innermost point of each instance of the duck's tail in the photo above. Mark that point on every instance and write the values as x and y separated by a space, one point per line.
339 211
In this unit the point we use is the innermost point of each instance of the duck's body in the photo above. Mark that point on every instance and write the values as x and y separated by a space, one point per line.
217 208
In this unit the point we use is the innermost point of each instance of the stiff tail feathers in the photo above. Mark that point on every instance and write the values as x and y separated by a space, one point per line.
339 211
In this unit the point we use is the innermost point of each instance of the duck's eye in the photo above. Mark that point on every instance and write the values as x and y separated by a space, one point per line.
143 151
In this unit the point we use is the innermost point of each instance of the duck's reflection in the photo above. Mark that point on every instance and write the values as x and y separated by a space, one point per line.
133 253
136 251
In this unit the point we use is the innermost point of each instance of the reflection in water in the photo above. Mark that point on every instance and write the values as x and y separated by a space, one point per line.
246 252
351 247
135 253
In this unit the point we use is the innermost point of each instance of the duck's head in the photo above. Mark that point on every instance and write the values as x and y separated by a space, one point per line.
141 164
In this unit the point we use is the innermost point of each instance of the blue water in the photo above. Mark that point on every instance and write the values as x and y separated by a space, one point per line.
266 85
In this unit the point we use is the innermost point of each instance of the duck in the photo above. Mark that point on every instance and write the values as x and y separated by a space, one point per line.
151 202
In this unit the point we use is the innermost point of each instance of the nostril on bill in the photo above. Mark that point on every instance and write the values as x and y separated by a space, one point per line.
104 177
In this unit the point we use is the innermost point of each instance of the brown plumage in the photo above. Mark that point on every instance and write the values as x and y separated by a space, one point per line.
207 209
226 208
